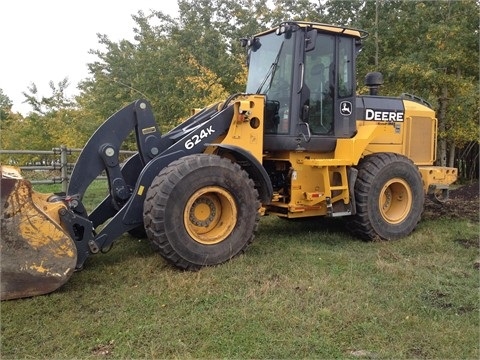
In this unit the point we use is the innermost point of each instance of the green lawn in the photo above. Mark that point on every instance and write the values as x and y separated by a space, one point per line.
304 289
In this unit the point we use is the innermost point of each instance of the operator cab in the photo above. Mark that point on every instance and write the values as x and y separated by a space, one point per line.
307 72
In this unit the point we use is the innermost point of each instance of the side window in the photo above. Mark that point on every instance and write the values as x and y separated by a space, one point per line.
319 64
345 59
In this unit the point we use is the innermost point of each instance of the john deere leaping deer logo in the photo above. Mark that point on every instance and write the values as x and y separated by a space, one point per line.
346 108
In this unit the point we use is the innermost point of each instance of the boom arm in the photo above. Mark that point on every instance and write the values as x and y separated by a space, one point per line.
128 184
102 150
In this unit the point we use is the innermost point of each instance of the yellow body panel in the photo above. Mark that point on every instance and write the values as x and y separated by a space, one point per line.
246 129
319 184
415 137
315 183
437 177
353 149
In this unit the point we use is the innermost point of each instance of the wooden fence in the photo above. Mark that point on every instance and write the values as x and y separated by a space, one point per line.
57 161
60 161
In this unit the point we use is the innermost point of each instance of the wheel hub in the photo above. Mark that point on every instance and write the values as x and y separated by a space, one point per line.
203 212
395 201
210 215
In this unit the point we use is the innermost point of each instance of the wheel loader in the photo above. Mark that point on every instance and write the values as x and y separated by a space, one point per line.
299 142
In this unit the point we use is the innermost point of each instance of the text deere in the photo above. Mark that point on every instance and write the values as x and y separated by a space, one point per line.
379 115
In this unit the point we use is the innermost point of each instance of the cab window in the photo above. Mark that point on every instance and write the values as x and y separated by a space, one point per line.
319 78
345 76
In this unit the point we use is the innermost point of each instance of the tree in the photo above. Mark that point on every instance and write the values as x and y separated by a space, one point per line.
5 106
9 122
145 68
425 48
166 56
54 121
436 57
56 101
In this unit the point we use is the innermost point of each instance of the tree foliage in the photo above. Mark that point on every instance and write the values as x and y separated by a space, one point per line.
431 49
166 55
53 121
428 48
9 122
45 104
5 106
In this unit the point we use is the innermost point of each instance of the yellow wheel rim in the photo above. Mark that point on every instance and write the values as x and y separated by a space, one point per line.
395 201
210 215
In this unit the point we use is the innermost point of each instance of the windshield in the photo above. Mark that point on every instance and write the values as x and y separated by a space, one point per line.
270 64
270 72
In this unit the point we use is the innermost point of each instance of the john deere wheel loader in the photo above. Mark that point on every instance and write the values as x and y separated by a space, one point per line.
299 142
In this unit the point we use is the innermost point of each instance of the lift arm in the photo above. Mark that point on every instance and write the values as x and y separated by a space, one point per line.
128 183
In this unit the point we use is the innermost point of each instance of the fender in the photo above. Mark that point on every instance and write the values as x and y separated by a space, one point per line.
255 170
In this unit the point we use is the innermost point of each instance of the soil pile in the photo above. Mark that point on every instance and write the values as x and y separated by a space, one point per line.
463 203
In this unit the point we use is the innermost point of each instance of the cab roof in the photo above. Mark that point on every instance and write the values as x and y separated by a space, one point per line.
361 34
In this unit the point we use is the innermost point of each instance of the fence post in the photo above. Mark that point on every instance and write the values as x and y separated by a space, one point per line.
64 167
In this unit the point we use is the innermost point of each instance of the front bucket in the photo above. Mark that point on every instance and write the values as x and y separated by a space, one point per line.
37 255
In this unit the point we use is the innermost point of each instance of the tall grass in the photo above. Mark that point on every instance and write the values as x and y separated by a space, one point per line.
304 289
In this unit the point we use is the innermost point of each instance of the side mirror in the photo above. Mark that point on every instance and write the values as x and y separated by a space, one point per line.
310 40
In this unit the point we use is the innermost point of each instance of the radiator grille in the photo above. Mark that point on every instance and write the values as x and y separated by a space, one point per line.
421 140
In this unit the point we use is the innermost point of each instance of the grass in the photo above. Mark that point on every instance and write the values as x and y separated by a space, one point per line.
304 289
97 190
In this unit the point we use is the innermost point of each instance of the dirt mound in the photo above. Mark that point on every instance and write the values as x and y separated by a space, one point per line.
463 203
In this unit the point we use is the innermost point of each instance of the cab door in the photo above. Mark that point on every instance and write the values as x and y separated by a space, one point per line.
329 87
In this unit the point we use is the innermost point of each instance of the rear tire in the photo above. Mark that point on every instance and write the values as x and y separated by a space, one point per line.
389 197
201 210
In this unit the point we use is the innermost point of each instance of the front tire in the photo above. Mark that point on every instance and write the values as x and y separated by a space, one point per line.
201 210
389 197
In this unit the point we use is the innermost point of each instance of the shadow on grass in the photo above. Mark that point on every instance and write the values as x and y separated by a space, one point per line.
129 260
329 231
274 236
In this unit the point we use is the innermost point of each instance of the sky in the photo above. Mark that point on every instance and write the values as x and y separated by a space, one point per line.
48 40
